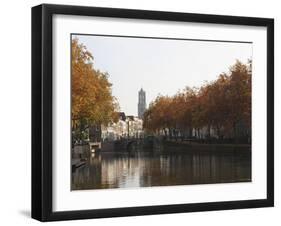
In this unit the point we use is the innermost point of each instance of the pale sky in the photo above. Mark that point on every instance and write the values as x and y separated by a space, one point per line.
159 66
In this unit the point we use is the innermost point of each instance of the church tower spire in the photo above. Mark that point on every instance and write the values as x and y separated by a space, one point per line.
141 103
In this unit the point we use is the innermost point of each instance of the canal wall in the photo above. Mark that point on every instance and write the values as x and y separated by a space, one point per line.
80 151
181 146
107 146
129 145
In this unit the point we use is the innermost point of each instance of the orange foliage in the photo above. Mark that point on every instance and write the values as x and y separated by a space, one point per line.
92 100
220 104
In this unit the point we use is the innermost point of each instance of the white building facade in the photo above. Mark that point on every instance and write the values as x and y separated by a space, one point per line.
125 127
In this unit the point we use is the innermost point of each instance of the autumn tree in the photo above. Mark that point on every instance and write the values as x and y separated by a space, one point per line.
157 117
92 99
238 96
223 105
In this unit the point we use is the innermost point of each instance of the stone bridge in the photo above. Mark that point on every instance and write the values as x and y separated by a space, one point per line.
132 144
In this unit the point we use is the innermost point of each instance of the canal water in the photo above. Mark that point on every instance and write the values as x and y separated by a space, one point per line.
146 169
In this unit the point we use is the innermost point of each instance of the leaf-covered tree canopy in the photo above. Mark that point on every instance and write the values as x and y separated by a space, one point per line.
92 99
222 103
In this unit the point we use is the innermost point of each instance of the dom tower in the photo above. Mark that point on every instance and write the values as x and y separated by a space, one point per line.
141 104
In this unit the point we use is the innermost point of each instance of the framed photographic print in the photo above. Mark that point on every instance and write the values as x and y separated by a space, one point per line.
145 112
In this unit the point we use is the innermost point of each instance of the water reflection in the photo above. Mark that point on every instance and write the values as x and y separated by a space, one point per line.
145 169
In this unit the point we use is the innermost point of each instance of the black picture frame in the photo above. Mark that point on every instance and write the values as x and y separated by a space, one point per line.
42 107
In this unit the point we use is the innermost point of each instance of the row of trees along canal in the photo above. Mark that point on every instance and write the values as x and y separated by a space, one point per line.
219 111
222 106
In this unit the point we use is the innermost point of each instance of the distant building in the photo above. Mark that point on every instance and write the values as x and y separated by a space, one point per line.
134 127
141 103
126 127
115 130
122 116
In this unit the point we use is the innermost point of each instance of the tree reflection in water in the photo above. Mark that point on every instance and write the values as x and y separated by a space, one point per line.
146 169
